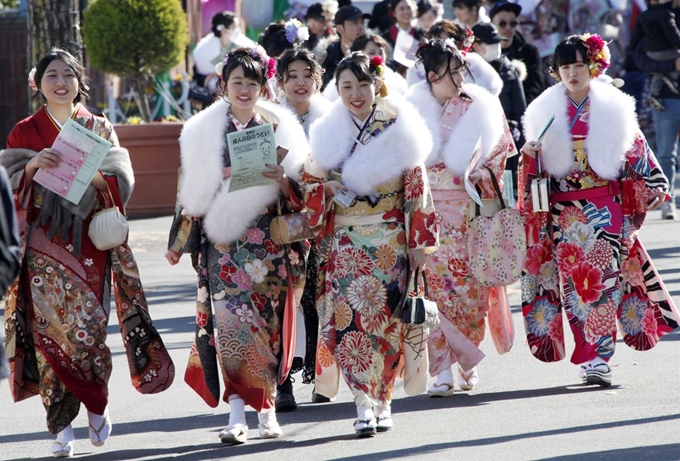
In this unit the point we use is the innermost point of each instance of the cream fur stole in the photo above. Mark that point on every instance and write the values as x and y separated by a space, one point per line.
612 129
484 118
318 105
204 192
405 144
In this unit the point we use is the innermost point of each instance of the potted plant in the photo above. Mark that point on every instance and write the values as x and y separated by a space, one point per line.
139 39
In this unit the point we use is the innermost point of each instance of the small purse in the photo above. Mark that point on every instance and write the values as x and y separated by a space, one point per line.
419 310
108 227
292 227
496 245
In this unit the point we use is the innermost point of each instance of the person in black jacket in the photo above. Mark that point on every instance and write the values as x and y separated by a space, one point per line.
488 44
658 31
381 17
349 24
504 16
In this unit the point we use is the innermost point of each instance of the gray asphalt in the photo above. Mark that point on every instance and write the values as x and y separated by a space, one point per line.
522 409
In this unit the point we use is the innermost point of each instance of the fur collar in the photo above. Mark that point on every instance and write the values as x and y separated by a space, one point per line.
318 105
405 145
612 129
482 73
456 151
204 192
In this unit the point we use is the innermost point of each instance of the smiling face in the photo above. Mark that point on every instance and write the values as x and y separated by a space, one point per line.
299 84
575 76
241 91
357 96
59 84
373 49
404 13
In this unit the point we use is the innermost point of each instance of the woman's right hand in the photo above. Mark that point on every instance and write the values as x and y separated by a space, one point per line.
46 158
332 187
531 149
173 257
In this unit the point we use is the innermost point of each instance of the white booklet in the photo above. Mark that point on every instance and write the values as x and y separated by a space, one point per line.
250 151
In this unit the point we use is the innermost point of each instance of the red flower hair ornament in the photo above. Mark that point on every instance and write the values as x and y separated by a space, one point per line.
377 64
599 56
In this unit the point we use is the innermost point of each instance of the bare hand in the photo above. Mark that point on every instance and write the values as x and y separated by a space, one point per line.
46 158
276 172
417 258
332 187
173 257
657 200
531 149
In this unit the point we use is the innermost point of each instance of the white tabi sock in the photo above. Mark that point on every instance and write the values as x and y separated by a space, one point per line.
237 410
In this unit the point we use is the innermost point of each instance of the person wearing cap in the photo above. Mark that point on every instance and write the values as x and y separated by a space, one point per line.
349 24
318 19
504 16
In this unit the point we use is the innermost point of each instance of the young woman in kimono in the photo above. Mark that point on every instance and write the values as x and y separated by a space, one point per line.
243 277
584 256
299 79
374 147
452 110
57 311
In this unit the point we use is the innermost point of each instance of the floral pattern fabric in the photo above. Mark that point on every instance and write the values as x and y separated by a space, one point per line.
245 285
584 258
460 298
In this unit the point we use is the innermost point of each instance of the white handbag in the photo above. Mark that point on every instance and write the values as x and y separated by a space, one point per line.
108 227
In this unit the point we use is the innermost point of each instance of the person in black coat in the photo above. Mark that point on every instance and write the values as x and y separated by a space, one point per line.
504 16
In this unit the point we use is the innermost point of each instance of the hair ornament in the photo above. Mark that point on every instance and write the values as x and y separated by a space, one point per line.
31 80
598 54
296 32
376 63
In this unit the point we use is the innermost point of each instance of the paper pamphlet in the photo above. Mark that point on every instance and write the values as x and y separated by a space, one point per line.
405 48
473 160
81 152
250 151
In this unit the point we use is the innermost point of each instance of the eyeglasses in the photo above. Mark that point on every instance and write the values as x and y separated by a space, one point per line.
504 24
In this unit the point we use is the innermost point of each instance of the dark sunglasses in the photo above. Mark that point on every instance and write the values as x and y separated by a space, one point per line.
503 24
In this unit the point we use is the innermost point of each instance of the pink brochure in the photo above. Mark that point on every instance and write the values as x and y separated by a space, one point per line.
81 152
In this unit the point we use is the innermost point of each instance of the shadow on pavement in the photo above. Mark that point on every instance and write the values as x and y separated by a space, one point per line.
657 453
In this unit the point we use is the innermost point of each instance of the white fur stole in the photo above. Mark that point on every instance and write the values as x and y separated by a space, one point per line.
483 118
203 190
612 129
405 144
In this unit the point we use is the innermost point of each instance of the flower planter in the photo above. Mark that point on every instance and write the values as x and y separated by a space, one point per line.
154 152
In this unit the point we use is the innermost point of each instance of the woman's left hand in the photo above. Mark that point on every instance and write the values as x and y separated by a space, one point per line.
657 200
276 172
417 258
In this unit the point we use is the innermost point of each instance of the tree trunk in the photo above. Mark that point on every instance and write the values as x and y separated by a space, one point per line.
142 100
53 23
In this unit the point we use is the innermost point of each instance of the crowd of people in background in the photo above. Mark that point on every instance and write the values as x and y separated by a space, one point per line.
407 97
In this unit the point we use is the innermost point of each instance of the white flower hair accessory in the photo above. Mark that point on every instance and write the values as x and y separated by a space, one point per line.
296 32
31 80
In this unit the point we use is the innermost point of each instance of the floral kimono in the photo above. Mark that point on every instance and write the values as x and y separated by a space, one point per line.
57 312
364 247
244 279
584 256
462 301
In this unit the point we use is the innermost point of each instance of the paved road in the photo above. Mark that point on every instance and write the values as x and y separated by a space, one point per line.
521 410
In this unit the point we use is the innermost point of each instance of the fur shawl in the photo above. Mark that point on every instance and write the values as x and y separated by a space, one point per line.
318 105
63 215
204 192
612 129
484 118
403 145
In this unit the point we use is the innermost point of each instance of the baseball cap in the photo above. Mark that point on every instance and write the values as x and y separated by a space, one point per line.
486 33
349 13
315 11
505 6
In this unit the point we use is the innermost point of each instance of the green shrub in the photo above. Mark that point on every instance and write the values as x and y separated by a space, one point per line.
135 38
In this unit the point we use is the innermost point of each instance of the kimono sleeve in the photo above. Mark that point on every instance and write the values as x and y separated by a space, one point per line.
496 163
421 223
